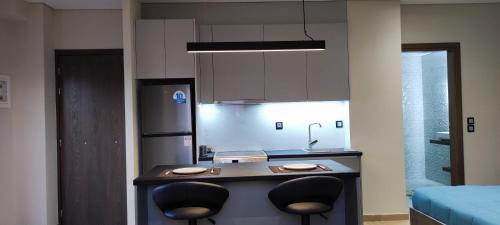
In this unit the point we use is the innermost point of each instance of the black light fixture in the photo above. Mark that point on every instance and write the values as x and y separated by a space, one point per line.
260 46
255 46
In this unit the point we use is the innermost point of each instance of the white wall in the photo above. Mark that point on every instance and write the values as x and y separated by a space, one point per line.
7 192
252 127
376 103
88 29
13 10
131 12
50 116
476 27
32 148
28 153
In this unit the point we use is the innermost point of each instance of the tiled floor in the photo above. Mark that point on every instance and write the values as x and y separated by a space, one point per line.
403 222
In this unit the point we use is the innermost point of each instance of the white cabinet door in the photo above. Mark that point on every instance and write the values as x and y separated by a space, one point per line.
205 73
150 49
327 71
285 71
179 63
238 76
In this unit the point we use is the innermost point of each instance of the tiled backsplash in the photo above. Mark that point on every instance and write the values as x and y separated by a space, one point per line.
252 127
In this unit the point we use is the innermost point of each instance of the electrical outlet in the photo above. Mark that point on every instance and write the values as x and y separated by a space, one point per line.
471 125
470 128
279 125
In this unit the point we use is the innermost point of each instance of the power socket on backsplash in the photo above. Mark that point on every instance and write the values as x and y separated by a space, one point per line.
279 125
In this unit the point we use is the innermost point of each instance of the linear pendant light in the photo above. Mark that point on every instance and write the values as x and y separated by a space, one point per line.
259 46
255 46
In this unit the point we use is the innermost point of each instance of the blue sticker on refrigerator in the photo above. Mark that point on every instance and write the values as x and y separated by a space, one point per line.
179 97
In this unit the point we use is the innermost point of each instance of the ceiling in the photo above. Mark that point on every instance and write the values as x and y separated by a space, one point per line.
116 4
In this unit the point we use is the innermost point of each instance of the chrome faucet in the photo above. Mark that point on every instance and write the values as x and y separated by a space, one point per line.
311 142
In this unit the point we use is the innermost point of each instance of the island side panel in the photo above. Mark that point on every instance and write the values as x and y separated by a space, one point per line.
142 204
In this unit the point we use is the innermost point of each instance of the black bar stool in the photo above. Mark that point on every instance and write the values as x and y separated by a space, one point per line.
306 196
190 200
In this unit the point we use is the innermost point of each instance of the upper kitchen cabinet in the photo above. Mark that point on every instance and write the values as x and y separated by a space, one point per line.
179 63
150 49
238 76
285 71
327 71
161 49
205 69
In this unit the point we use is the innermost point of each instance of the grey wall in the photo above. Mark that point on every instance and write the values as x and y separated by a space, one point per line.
248 13
435 102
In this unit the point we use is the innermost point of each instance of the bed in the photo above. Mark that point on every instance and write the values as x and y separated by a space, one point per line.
458 205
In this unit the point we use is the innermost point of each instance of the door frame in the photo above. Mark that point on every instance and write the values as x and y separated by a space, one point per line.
58 91
455 103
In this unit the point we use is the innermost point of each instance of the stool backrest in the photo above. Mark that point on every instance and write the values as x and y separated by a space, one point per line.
321 189
190 194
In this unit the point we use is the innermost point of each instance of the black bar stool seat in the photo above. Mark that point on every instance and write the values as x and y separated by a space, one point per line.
306 196
190 200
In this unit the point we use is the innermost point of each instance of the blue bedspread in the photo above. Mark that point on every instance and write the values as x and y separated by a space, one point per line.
460 205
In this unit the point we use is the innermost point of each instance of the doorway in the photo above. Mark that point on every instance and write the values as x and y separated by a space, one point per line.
432 115
91 156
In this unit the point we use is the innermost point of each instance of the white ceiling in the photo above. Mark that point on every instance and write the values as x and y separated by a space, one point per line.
116 4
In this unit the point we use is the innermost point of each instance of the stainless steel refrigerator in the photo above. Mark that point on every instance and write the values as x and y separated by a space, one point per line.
167 122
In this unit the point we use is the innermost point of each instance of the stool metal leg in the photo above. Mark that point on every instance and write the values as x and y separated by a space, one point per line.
193 222
306 220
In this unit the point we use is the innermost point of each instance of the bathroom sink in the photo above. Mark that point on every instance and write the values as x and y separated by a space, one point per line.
445 135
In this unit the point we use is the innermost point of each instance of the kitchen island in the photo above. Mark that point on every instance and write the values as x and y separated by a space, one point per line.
249 184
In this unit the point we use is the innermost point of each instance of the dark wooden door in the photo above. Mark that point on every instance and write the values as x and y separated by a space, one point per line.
91 131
